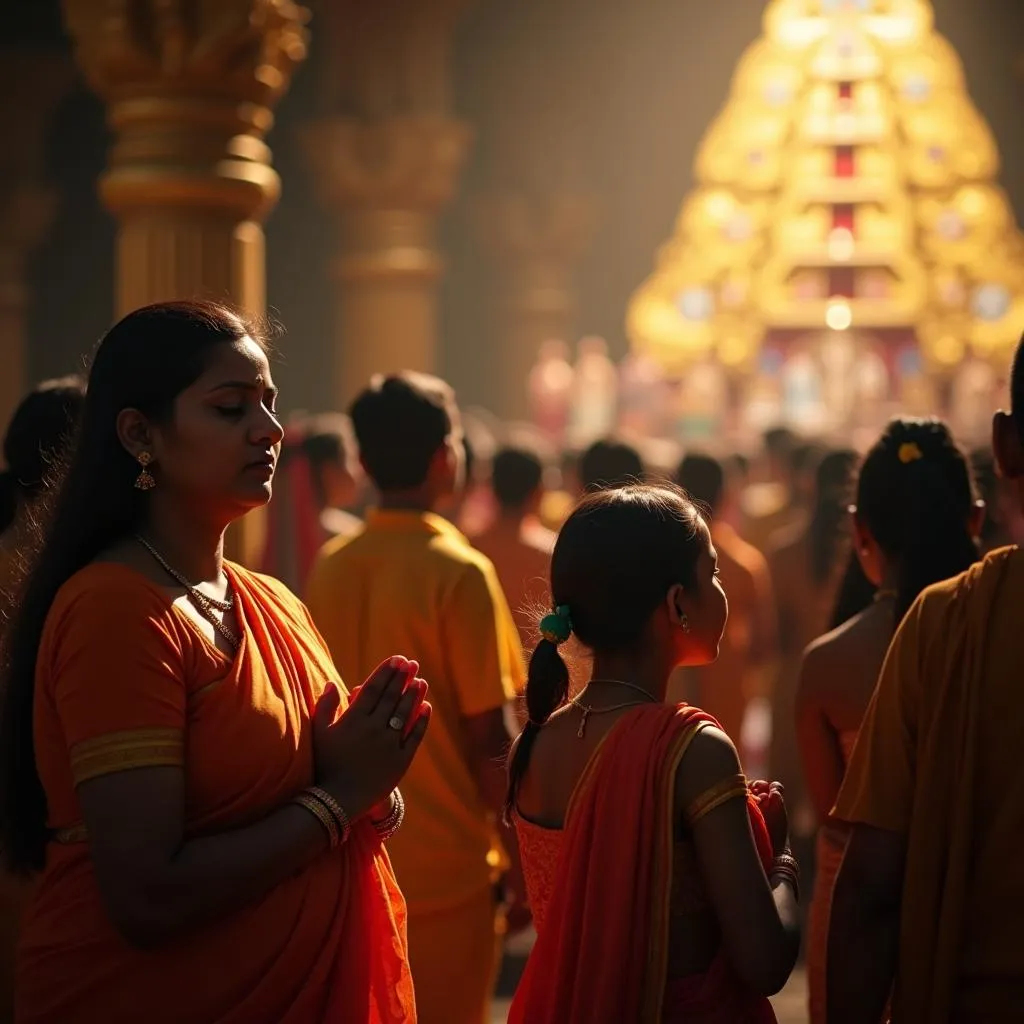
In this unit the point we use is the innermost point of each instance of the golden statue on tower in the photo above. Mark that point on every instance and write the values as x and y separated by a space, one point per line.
846 251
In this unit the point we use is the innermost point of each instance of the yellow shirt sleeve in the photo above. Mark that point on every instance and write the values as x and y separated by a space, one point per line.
878 789
481 642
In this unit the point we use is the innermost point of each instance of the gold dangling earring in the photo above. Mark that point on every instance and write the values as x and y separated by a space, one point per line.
144 481
684 623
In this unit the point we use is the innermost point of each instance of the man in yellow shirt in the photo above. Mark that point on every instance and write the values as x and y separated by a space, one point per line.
411 582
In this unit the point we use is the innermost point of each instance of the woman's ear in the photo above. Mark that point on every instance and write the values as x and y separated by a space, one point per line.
678 601
1006 444
134 432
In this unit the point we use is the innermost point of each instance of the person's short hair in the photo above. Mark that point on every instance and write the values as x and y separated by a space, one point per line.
328 440
401 421
516 475
703 478
609 464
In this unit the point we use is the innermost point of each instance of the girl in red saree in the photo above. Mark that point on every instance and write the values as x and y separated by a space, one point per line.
661 883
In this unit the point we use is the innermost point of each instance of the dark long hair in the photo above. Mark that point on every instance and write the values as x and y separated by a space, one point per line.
615 559
915 494
144 362
831 497
36 437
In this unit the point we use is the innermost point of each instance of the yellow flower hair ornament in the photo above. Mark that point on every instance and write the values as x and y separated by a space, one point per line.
910 452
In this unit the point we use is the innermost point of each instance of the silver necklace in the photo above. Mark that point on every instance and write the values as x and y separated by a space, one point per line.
206 605
629 686
589 710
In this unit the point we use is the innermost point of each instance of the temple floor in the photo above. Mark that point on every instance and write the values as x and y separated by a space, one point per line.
790 1004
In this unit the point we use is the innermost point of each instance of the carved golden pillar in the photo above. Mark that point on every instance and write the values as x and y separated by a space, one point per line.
536 242
190 87
386 161
31 85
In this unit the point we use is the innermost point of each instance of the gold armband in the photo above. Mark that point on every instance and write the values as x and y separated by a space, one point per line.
713 798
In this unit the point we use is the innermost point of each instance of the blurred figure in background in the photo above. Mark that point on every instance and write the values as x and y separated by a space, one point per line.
914 525
316 482
411 581
771 500
473 508
560 499
550 390
516 542
725 687
337 479
807 565
34 444
737 479
608 464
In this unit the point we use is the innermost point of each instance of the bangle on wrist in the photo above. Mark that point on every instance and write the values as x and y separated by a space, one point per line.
322 815
390 824
785 868
333 809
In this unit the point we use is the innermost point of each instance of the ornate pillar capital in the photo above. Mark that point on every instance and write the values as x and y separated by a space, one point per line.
386 182
190 88
386 158
536 241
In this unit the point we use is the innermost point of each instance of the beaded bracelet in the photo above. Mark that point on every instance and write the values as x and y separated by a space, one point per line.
334 809
388 826
322 815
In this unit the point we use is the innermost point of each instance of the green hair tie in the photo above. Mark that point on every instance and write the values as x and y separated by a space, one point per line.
556 627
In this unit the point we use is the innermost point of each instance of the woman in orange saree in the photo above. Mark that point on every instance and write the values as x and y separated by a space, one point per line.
661 883
206 827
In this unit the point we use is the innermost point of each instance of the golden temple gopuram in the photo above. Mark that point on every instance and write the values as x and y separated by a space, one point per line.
846 251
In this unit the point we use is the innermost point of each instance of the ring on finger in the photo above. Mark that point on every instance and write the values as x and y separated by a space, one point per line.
396 722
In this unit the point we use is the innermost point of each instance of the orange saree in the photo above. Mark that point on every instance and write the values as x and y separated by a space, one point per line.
124 680
602 948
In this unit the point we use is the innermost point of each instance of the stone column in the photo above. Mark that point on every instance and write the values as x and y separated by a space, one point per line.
190 86
31 85
536 241
386 160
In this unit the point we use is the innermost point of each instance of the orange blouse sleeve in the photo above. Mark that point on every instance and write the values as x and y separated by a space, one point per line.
113 660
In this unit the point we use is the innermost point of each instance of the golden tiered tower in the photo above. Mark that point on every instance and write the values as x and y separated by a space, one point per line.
846 251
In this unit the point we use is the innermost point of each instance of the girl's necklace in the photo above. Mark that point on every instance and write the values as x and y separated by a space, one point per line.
588 710
204 604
